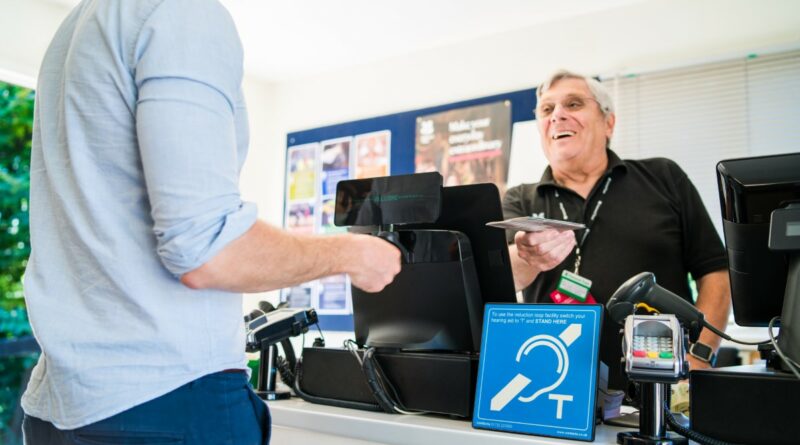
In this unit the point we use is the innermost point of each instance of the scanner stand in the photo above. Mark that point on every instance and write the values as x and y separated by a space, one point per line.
266 374
652 425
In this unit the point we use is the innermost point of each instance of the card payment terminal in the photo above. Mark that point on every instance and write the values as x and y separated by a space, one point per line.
653 347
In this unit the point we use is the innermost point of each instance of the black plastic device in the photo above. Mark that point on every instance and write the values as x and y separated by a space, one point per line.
267 326
752 192
272 327
433 304
388 200
642 288
452 262
430 382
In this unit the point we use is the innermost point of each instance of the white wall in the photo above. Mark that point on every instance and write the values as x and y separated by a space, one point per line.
633 38
26 28
642 36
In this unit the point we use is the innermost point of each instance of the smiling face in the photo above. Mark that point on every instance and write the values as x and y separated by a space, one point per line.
573 129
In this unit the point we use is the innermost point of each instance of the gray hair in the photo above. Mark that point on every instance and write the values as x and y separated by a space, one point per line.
599 91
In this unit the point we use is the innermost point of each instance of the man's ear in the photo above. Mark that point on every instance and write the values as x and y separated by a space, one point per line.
611 120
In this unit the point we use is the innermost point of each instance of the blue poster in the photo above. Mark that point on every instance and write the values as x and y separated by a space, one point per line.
538 369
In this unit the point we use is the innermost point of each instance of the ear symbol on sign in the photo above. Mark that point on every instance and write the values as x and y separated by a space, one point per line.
520 382
561 354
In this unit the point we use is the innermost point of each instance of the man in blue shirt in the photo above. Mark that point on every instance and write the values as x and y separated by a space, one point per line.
141 243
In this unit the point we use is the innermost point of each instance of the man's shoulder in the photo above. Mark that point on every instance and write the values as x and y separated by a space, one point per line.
657 163
658 167
522 191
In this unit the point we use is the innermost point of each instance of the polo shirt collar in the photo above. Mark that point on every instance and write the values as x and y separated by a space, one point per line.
614 164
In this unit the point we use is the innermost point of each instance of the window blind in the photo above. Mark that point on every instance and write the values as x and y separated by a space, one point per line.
702 114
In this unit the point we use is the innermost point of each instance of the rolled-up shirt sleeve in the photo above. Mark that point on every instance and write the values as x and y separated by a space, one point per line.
188 71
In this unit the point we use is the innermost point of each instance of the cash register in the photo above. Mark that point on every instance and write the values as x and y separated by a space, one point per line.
416 341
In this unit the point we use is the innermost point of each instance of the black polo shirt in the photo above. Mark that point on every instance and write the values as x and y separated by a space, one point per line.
651 219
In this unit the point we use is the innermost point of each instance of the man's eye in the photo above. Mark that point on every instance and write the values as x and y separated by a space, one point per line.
546 109
574 104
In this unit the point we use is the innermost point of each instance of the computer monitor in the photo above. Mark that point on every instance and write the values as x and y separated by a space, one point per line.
388 200
760 201
436 303
467 209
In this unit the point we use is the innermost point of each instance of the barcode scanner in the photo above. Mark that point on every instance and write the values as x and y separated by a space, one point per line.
642 288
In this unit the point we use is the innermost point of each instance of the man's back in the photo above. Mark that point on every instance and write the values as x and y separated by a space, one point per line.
140 133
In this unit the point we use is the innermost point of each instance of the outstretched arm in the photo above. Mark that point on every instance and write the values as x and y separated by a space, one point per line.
267 258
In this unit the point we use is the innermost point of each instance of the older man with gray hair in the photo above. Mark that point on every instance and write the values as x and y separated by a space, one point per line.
640 215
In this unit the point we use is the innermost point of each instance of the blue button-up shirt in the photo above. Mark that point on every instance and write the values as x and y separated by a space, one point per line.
140 133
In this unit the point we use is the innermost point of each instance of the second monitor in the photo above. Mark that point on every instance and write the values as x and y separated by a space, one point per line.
452 266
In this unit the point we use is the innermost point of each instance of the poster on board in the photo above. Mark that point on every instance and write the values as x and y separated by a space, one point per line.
301 174
466 145
327 210
300 217
300 210
334 297
300 296
335 164
373 154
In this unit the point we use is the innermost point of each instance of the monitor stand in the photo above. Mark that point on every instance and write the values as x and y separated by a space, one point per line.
789 340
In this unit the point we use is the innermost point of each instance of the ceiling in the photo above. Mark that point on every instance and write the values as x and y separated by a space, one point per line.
290 39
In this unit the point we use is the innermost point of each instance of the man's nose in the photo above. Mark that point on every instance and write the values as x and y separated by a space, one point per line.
559 114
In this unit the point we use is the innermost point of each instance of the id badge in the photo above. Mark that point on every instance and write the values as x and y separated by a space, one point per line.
574 285
560 298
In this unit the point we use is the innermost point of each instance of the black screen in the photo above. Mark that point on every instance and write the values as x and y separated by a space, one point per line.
750 190
437 303
467 209
388 200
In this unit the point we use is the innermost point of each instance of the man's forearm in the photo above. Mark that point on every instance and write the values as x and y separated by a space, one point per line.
267 258
714 301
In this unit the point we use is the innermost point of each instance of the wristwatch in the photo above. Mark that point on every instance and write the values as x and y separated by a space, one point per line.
703 352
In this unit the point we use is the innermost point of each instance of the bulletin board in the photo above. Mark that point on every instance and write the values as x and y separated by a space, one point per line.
392 141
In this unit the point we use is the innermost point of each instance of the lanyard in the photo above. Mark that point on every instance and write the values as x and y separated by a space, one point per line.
589 224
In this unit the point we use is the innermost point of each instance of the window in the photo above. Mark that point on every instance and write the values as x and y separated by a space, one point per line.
700 115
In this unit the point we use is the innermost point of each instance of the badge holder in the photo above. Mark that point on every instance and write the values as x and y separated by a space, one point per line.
572 289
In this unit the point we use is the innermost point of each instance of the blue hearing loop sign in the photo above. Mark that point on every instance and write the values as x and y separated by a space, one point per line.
538 369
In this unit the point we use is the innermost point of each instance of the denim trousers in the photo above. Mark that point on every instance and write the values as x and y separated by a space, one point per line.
218 409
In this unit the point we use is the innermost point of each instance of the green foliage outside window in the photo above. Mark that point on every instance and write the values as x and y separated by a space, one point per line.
16 129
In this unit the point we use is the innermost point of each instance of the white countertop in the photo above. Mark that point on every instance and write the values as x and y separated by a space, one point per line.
297 421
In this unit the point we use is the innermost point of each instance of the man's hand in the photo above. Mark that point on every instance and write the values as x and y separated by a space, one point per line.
546 249
371 262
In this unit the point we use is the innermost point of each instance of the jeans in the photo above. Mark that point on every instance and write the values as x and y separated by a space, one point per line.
217 409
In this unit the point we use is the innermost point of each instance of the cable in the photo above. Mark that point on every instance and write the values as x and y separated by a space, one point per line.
791 364
382 389
325 400
351 346
708 325
288 351
690 434
711 328
646 307
375 383
321 335
285 370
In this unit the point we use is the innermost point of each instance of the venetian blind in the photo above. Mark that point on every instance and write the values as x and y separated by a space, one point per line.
702 114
